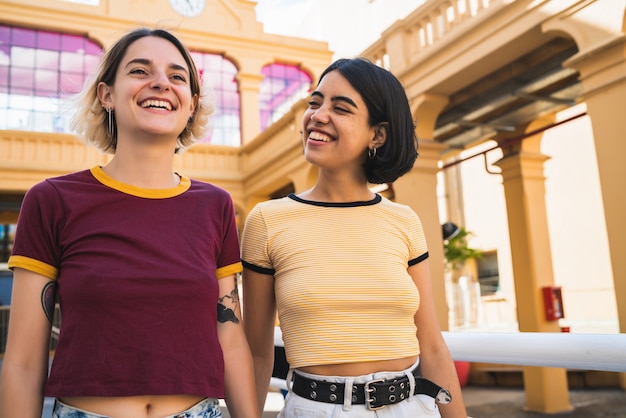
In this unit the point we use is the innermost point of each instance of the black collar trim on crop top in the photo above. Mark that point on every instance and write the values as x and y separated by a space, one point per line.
374 201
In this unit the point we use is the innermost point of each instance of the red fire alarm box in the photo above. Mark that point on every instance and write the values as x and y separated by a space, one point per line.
553 302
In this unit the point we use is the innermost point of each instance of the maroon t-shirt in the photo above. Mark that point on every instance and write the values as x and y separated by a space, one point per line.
137 271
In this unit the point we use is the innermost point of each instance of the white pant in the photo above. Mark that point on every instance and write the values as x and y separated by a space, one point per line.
415 406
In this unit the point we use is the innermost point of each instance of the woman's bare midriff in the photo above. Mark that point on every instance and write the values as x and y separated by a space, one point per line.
360 369
134 406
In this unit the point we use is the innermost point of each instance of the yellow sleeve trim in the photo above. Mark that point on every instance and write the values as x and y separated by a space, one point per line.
229 270
33 265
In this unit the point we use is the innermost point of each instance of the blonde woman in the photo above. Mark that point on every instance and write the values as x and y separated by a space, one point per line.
143 260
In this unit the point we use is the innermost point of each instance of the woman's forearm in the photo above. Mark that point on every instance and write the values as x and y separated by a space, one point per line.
21 392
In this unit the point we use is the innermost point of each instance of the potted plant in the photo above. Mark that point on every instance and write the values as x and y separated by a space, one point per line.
457 252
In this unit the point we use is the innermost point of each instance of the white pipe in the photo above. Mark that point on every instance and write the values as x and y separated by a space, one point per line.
605 352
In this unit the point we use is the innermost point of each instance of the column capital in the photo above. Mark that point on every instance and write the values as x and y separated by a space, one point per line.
429 155
597 29
529 165
426 108
601 67
249 81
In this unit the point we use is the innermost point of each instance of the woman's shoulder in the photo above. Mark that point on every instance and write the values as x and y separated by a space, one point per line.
203 185
82 175
274 209
398 209
393 205
277 204
63 181
210 190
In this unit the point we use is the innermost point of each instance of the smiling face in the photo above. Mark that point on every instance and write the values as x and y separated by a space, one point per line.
151 95
337 133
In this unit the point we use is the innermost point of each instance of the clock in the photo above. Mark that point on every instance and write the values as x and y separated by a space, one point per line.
188 8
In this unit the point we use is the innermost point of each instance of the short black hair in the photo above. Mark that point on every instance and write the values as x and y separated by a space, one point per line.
387 102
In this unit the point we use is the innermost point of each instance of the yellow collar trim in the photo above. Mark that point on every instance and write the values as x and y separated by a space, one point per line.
105 179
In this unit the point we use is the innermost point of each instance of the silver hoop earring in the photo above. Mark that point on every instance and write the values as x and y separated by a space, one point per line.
371 153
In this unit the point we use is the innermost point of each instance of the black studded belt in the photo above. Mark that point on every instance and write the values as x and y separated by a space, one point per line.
375 394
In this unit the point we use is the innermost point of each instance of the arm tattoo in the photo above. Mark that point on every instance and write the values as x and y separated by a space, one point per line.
227 313
48 298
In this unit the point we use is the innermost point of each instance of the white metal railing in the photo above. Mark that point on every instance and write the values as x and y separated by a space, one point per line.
599 352
425 27
604 352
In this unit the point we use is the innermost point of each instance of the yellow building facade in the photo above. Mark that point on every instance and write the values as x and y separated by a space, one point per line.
476 72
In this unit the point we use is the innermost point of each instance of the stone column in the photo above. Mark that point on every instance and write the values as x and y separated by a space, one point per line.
603 75
418 189
601 62
249 103
304 177
524 188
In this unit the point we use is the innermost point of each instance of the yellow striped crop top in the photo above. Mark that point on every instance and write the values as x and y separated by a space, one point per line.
342 288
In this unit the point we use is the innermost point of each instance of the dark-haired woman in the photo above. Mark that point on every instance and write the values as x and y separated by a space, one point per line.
346 269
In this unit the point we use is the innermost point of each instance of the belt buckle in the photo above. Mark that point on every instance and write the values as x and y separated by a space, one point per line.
443 396
369 401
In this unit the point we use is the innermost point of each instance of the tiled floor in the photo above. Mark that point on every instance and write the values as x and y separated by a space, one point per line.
509 403
499 403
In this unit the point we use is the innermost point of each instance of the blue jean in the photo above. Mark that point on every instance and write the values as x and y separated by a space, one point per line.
415 406
208 408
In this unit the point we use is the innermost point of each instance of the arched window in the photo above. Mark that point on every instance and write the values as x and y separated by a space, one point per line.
282 86
219 75
37 69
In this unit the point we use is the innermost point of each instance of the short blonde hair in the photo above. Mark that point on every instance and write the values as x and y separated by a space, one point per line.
91 120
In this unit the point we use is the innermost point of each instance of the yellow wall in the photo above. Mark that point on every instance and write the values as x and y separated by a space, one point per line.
436 51
227 27
271 160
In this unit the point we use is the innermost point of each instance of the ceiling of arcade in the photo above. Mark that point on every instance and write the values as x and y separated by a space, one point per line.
512 95
489 73
496 75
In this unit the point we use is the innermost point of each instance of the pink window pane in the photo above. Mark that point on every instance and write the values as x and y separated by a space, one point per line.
33 77
71 82
4 80
73 43
282 86
23 37
5 36
5 59
22 57
22 78
71 61
20 98
219 76
46 59
48 40
91 62
46 83
92 48
214 63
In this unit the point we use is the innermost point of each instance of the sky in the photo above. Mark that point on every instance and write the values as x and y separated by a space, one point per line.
349 26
